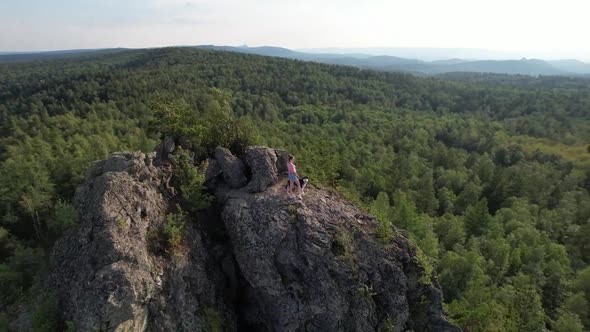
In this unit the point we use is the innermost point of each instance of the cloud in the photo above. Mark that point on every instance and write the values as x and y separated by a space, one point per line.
181 3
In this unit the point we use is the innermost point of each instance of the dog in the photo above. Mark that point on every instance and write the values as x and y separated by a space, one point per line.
302 183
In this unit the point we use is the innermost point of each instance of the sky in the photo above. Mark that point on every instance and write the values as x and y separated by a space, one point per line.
517 28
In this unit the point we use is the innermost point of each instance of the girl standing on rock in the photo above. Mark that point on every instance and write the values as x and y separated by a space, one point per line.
293 178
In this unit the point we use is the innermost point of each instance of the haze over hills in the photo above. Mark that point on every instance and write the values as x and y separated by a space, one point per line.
394 63
412 60
421 53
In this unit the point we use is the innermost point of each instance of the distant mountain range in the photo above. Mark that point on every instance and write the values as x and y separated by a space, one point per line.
392 63
523 66
421 53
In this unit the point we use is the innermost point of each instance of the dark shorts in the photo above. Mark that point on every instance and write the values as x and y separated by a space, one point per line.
292 177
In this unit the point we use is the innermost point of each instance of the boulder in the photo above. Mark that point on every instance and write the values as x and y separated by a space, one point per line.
165 148
213 170
262 162
232 168
282 160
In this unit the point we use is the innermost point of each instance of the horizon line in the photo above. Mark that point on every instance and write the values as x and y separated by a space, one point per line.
307 49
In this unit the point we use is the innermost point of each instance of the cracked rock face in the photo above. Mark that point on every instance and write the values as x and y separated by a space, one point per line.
316 266
255 261
263 163
104 274
233 169
103 269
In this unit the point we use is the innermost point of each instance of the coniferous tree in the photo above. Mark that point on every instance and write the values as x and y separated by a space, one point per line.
404 211
477 218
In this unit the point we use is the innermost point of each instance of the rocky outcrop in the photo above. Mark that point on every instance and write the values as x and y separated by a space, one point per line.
104 274
316 266
106 258
255 261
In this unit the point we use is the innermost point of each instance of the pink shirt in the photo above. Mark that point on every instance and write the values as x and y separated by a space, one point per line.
292 168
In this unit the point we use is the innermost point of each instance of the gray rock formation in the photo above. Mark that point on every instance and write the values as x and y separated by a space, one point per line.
262 162
316 266
165 148
213 170
107 257
233 168
104 274
282 160
256 261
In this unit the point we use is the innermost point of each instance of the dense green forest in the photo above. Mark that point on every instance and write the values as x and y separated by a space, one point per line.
490 174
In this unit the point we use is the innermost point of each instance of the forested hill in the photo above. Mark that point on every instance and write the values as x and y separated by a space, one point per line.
489 175
519 81
532 67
